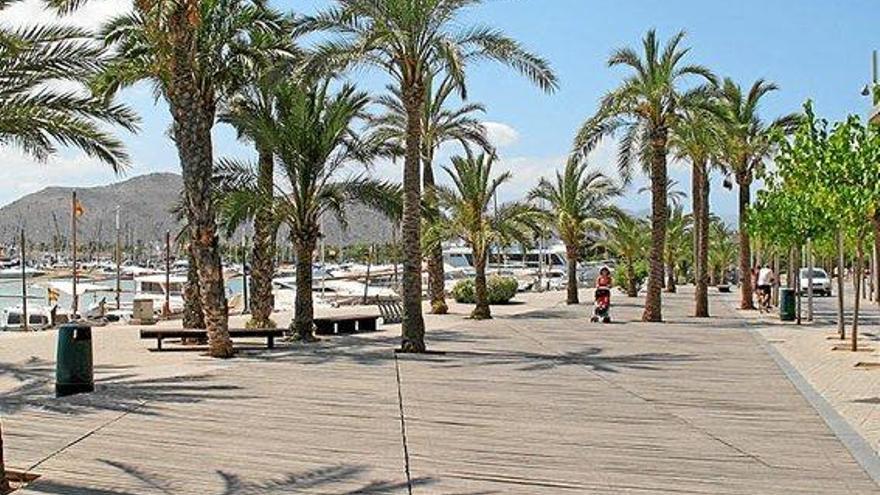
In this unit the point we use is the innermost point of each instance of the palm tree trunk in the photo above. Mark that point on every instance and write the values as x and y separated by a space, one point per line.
701 238
631 289
413 324
436 274
263 259
4 483
653 300
193 114
670 278
745 252
304 311
193 316
481 293
572 288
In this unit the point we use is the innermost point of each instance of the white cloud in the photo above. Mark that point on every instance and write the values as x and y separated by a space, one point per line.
500 135
90 16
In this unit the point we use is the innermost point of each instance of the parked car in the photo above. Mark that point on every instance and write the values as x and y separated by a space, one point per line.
821 281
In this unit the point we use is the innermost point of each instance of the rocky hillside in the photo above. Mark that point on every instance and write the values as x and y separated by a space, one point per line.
145 204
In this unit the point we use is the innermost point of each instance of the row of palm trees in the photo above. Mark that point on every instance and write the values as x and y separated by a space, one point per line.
668 107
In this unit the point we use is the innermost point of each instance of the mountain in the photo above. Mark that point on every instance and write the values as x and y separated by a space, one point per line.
145 204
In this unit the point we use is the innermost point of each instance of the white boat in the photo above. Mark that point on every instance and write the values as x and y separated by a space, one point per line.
155 287
15 272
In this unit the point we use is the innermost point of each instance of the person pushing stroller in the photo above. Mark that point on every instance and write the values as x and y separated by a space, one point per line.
602 305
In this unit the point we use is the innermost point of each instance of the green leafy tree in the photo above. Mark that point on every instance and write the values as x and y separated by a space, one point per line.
645 108
312 139
747 144
628 238
196 53
440 124
579 202
468 217
412 41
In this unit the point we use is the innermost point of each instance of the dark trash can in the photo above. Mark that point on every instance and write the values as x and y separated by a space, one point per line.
787 304
74 373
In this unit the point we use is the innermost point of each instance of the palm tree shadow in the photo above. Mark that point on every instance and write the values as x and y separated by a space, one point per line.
121 391
591 357
324 478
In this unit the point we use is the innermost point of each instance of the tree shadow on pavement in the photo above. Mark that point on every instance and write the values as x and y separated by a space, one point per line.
35 388
346 478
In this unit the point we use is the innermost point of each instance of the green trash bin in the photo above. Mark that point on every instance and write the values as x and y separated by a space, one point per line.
74 373
786 304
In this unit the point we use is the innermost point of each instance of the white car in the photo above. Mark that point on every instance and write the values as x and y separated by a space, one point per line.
821 281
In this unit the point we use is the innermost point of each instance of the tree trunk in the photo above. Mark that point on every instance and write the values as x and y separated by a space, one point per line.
413 324
841 324
481 295
4 483
632 290
193 114
653 300
670 278
745 252
572 289
263 258
860 256
876 274
304 311
701 235
436 274
193 316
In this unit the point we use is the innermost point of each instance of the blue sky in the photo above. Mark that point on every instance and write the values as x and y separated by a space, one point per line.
810 48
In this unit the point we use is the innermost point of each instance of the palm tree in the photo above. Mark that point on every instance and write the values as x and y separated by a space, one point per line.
440 125
412 41
36 116
579 202
250 111
696 139
312 140
722 250
678 237
195 53
469 219
628 239
646 107
747 144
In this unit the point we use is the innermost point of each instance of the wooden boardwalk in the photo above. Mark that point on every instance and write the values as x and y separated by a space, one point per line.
531 402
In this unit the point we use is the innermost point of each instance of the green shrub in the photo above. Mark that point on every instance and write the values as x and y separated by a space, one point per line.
621 277
500 290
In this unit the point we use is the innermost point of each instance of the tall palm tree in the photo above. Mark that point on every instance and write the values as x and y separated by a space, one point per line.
628 239
250 110
646 107
196 54
37 117
696 139
440 124
469 219
312 140
747 145
411 41
579 202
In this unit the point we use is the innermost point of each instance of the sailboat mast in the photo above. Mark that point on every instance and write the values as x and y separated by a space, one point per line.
73 252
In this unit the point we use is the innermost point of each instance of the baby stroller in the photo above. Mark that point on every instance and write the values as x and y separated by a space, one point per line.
602 306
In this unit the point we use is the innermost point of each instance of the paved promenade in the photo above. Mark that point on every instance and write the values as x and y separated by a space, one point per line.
538 400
